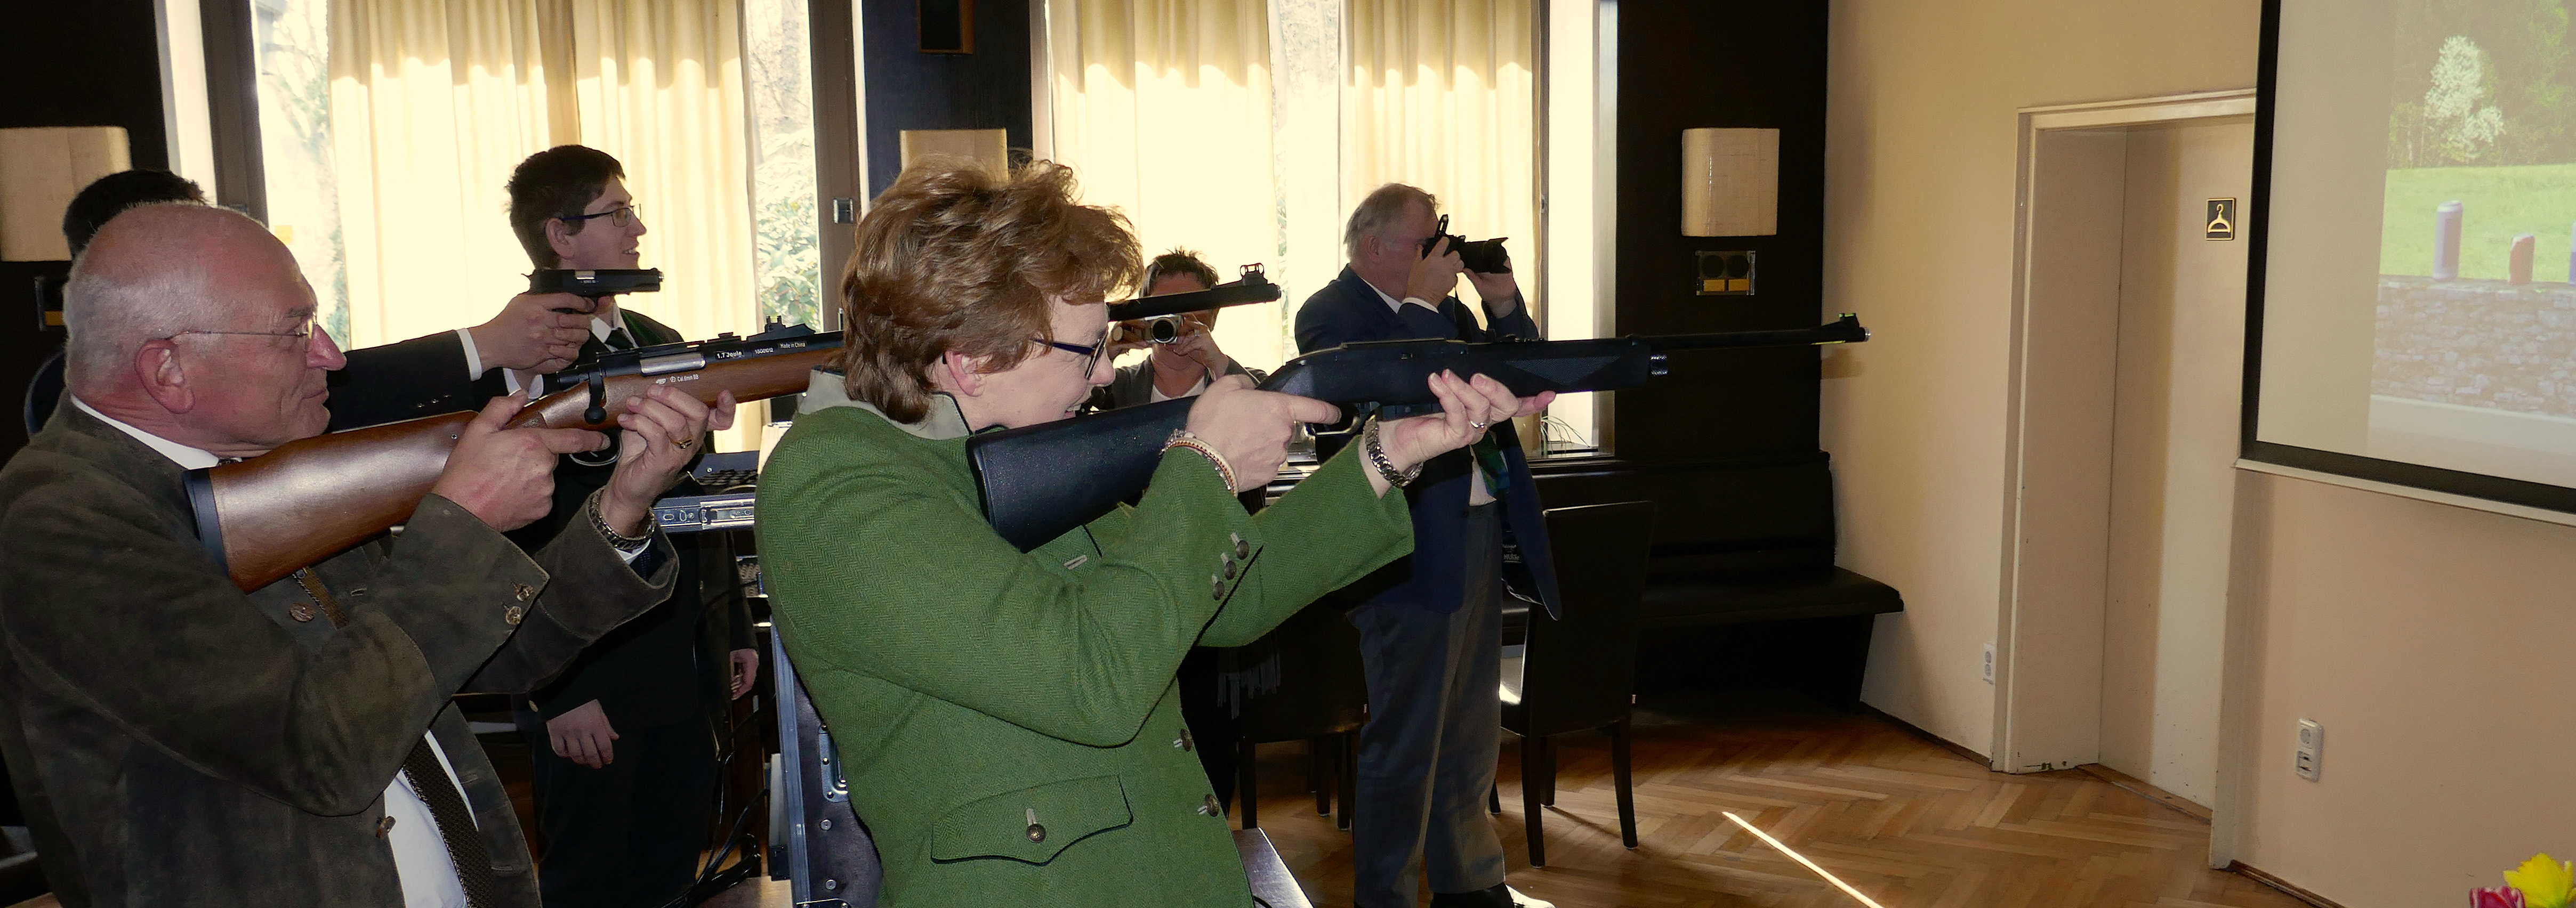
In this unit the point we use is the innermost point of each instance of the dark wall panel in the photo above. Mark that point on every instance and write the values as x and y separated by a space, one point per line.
908 89
1732 63
88 63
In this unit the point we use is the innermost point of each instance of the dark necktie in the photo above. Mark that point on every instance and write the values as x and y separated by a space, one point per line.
446 804
618 339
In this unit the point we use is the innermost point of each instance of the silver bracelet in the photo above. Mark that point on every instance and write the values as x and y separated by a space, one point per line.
1377 457
617 540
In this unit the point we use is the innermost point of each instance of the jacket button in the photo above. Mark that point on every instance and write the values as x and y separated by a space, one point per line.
523 593
513 614
1037 833
1183 742
384 827
1211 807
1228 567
1242 549
1217 584
300 612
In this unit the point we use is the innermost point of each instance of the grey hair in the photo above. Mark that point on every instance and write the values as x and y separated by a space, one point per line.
112 307
1382 206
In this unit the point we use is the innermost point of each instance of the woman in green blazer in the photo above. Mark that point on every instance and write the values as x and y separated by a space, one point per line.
1007 720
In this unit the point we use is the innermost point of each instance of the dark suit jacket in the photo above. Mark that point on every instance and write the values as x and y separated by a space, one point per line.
670 664
179 742
1349 310
423 376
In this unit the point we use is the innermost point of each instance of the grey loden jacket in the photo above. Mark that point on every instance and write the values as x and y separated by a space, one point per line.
176 742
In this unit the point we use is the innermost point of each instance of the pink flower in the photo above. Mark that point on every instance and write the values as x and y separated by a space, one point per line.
2495 897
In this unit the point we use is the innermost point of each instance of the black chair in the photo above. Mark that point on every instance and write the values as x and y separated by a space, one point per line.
43 392
1322 699
1579 673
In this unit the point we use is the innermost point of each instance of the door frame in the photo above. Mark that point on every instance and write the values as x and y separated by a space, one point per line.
2048 637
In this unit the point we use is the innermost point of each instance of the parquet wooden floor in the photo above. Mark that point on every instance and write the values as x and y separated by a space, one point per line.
1902 819
1905 821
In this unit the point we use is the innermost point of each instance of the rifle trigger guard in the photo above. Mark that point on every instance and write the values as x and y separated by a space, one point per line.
598 412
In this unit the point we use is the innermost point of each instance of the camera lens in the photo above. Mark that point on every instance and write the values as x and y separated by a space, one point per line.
1166 329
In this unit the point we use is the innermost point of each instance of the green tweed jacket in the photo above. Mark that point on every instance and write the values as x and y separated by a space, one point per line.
1008 721
177 742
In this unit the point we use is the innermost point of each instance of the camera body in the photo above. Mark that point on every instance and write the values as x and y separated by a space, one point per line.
1480 256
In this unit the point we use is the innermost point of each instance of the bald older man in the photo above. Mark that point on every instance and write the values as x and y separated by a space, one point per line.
184 743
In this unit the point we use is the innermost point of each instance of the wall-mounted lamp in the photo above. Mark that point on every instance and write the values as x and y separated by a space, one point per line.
40 169
1730 182
989 147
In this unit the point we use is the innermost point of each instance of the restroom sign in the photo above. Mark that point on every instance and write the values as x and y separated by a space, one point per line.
2221 222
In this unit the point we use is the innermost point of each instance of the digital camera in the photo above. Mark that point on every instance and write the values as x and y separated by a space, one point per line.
1480 256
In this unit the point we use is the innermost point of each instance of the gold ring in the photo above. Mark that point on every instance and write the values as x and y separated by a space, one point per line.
1476 424
684 443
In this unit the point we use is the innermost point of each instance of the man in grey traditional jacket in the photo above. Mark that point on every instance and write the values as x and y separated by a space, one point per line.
179 742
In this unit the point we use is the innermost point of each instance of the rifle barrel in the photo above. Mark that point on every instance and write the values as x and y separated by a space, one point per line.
1253 288
265 517
1844 330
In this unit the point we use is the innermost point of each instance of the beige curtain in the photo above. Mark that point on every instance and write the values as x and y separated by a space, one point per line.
659 84
1439 95
432 103
1162 108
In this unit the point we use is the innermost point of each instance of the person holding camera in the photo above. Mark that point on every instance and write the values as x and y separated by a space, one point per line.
1431 623
1183 357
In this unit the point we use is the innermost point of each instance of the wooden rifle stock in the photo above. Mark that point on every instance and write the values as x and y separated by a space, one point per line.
271 515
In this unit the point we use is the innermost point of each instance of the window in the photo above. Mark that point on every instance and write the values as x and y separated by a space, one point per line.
390 127
1247 129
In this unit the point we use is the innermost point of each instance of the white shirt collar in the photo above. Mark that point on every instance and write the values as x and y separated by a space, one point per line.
601 327
186 457
1397 305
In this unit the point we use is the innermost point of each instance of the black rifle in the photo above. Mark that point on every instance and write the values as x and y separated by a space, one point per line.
1041 481
1252 287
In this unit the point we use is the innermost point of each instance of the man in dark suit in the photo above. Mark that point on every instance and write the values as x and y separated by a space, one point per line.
424 376
180 742
1430 623
625 742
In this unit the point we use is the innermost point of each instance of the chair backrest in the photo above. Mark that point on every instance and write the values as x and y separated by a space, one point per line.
1322 689
1731 517
43 391
1578 672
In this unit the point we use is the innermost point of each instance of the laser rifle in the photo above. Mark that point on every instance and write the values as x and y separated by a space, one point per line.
1039 482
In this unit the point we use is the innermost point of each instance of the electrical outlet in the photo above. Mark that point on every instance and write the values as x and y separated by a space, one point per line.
1990 663
2312 745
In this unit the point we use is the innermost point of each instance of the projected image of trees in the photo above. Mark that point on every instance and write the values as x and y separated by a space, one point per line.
2478 226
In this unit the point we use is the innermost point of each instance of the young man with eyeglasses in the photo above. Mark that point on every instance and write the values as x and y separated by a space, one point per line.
625 741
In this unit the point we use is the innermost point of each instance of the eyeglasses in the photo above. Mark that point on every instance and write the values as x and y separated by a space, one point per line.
300 332
1090 355
621 215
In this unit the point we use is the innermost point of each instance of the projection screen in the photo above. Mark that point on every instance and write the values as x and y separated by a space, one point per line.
2412 319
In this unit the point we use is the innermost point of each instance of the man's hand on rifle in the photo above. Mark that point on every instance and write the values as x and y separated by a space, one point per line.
1468 409
1434 275
1500 292
1250 429
534 334
507 476
663 428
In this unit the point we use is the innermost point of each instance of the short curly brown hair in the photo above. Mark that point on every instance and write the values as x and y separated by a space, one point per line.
957 256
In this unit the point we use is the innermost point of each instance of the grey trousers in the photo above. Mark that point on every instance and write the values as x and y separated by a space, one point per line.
1435 722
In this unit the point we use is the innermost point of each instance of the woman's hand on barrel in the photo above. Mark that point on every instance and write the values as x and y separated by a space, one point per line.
1250 428
1468 409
